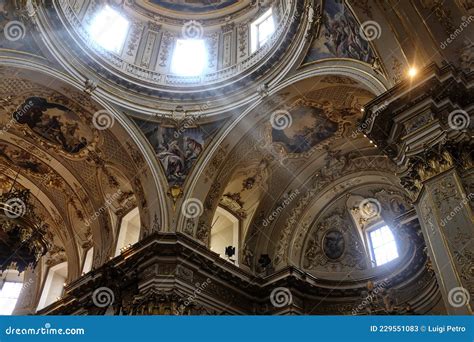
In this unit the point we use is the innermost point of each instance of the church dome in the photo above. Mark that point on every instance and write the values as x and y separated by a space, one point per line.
198 49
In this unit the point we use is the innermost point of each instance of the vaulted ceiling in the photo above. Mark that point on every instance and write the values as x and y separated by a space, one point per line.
273 132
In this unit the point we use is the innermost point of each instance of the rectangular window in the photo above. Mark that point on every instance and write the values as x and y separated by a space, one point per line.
261 30
383 244
9 296
189 57
109 29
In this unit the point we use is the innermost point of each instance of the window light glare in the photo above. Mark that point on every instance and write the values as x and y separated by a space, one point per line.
189 57
109 29
384 246
9 296
261 30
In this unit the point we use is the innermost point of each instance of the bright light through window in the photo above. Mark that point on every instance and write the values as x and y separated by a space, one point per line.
189 57
109 29
262 29
384 246
9 296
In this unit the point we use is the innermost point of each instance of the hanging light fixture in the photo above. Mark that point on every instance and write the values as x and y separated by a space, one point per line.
22 232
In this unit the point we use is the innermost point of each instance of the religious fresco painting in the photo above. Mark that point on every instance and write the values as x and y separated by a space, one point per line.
177 149
309 127
54 123
22 159
339 36
197 6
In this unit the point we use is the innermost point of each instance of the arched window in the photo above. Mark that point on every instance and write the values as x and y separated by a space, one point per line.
383 247
380 242
129 230
54 285
224 234
87 266
11 284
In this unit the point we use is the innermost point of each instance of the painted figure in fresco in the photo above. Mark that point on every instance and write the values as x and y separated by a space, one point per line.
21 159
54 123
173 160
310 127
340 36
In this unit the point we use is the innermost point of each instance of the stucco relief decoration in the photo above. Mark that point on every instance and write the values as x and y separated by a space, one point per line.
333 245
57 123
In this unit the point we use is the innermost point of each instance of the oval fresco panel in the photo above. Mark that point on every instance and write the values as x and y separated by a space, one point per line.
333 244
55 123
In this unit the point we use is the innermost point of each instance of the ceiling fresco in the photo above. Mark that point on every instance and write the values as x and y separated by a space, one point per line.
55 123
339 36
309 127
177 147
194 6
